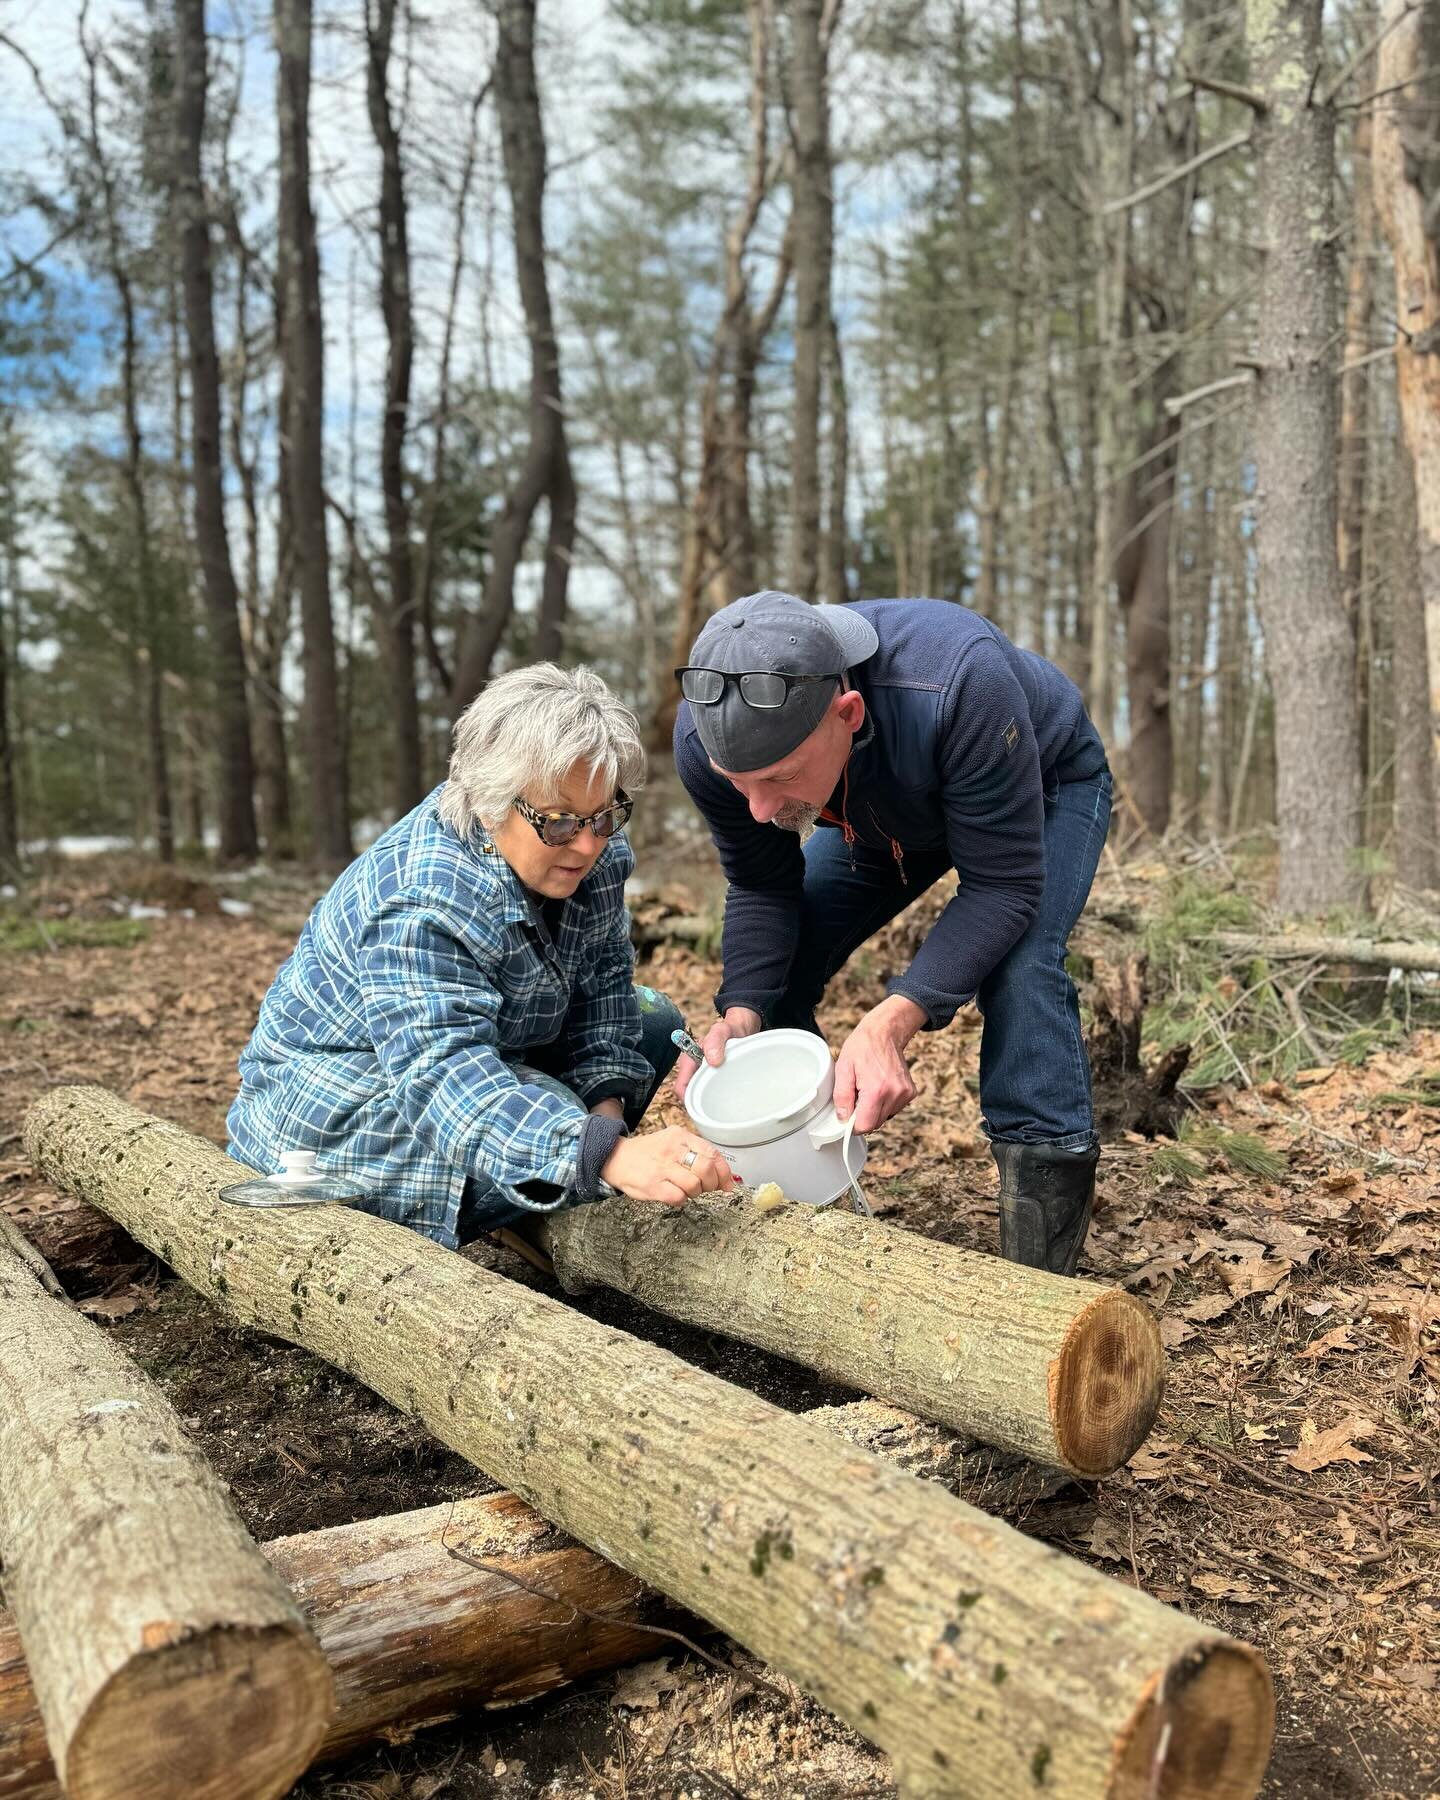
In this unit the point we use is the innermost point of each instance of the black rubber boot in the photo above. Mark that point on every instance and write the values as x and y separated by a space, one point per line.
1045 1200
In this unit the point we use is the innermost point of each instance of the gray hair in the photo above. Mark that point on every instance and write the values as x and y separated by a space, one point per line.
525 733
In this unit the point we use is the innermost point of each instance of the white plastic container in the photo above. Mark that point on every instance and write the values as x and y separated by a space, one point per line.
768 1110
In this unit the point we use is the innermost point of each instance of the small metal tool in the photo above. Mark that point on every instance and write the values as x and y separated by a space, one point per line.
682 1040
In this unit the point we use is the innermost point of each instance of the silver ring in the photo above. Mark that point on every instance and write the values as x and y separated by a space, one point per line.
689 1158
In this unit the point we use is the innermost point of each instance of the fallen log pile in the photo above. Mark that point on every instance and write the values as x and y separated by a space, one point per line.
1066 1372
412 1633
166 1655
982 1662
415 1633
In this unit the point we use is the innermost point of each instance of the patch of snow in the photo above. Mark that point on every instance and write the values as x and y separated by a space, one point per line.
235 909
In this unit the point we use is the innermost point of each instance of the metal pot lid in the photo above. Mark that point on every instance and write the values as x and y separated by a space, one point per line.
299 1183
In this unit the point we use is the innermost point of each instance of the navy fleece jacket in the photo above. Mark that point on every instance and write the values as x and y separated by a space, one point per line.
964 735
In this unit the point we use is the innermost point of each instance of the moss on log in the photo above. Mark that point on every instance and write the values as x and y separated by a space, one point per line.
1065 1372
167 1657
983 1663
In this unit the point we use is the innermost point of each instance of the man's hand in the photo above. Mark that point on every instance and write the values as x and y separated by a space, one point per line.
872 1078
739 1021
670 1166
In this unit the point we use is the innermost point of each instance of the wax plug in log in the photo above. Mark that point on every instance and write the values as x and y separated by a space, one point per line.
983 1663
1066 1372
167 1657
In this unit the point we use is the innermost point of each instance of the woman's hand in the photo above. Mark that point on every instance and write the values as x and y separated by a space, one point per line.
739 1021
669 1166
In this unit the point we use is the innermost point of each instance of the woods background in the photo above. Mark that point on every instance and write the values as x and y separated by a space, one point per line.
350 357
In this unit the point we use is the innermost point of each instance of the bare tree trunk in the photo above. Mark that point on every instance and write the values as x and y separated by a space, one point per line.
266 624
813 207
718 556
430 526
995 477
238 840
397 620
1417 862
1145 503
1355 381
1102 87
837 578
9 651
149 649
546 473
1309 648
1407 196
1143 582
303 426
9 813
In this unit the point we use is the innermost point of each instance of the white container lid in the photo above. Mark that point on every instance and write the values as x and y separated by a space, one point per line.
768 1084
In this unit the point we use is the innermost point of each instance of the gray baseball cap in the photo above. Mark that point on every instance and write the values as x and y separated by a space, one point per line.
780 634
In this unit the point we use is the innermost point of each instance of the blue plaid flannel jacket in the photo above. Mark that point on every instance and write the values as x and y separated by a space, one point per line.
387 1040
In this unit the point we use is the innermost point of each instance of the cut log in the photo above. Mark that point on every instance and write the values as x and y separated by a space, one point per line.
1373 952
414 1635
167 1657
1065 1372
983 1663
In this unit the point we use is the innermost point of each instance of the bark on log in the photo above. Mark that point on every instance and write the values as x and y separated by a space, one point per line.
1065 1372
167 1656
414 1636
1372 951
983 1663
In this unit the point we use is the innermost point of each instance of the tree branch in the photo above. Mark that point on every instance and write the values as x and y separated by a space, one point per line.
1171 176
1178 402
1395 87
1228 90
1366 51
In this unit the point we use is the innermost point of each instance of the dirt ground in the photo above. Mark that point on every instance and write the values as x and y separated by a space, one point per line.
1290 1493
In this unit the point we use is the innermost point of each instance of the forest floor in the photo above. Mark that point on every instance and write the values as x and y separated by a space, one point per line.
1290 1493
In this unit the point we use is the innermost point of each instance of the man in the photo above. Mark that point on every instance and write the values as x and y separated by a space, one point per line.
895 740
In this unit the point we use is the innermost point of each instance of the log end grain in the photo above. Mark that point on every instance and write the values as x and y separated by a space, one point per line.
226 1714
1203 1730
1106 1383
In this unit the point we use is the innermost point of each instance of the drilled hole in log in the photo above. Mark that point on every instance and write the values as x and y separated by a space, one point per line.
1106 1384
1219 1706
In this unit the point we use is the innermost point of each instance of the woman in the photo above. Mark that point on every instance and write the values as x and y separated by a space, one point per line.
457 1028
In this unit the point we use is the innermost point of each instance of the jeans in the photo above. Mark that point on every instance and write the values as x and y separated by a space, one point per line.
1034 1070
485 1205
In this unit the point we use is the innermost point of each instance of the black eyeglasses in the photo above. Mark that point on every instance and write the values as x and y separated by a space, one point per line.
760 688
557 828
